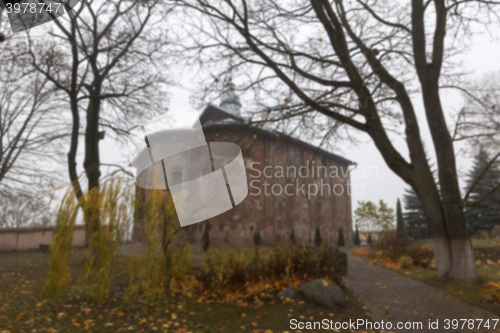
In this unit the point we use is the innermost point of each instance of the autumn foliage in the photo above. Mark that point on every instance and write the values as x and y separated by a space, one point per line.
241 273
390 249
154 274
492 290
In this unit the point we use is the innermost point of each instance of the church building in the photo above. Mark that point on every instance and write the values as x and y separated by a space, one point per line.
292 185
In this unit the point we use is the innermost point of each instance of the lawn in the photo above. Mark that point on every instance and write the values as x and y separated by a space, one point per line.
23 310
488 266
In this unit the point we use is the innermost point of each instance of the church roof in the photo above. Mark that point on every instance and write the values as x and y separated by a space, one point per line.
215 117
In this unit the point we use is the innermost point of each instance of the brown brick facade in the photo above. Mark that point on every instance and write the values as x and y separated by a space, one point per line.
274 212
267 208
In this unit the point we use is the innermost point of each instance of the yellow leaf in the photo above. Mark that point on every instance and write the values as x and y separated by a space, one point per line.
143 320
174 316
108 325
254 323
325 283
384 287
120 313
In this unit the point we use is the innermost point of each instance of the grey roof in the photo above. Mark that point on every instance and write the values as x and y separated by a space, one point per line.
215 117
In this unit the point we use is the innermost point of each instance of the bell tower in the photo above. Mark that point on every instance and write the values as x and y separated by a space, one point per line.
230 102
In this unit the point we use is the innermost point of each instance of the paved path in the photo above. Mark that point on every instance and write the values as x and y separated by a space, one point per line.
393 297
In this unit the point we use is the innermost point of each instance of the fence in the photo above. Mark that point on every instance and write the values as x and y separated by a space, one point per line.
26 239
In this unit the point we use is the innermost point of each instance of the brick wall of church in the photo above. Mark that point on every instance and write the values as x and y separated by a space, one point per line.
275 215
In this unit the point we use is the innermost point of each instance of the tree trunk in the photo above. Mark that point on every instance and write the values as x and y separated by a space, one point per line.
462 262
436 223
91 165
463 266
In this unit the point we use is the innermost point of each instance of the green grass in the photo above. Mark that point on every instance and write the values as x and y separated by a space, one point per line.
487 253
476 243
22 309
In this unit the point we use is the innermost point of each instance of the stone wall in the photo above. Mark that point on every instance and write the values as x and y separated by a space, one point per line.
25 239
275 215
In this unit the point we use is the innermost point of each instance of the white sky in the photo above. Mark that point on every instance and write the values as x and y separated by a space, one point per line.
384 184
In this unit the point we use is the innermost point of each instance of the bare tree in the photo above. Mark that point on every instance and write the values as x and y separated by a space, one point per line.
108 58
24 209
357 63
478 123
30 123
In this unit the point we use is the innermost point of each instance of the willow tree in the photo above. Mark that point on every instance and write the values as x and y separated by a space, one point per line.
107 59
339 66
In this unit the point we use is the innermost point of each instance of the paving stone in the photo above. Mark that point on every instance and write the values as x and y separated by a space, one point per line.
393 297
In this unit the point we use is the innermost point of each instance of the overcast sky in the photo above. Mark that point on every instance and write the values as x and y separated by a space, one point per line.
383 184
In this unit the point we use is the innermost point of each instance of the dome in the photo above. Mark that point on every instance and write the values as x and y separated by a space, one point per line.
230 102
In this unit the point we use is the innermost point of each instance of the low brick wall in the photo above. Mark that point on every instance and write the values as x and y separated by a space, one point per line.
26 239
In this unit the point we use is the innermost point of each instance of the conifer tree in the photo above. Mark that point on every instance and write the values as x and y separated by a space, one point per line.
256 238
317 237
369 240
341 240
205 238
292 237
357 240
485 214
414 216
400 226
